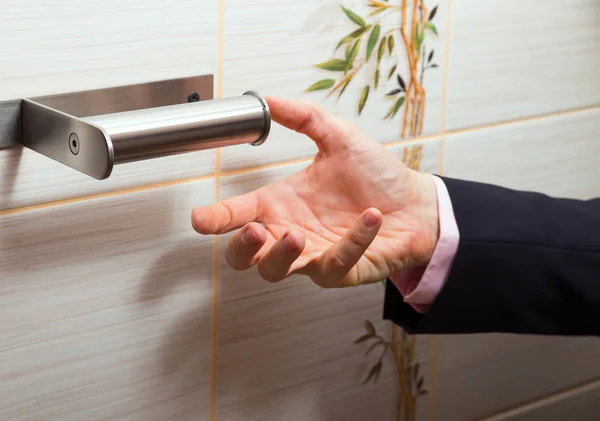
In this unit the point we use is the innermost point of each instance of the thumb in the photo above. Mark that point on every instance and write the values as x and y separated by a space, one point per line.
307 118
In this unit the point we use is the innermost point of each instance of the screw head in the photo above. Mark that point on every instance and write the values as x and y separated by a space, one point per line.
74 143
194 97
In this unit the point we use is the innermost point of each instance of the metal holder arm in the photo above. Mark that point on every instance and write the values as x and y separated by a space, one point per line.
94 130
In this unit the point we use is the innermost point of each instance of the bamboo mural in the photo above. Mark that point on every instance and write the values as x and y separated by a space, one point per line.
408 38
415 22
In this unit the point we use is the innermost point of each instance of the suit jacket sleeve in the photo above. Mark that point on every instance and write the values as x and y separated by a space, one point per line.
526 263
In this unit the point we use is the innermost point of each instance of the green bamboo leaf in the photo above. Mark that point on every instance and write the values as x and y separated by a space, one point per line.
353 16
321 85
344 86
432 28
378 11
381 50
363 338
372 347
352 36
401 82
353 53
392 70
369 327
363 99
432 13
393 92
374 372
373 38
391 43
378 371
394 108
419 37
334 65
430 57
376 78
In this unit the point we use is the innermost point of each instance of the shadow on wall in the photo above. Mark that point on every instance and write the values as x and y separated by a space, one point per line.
10 161
286 351
120 283
185 352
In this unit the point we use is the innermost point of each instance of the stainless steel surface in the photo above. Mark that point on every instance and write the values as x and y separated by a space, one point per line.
10 123
105 101
49 132
156 132
92 131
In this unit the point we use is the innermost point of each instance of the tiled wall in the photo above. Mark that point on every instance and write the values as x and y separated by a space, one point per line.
112 308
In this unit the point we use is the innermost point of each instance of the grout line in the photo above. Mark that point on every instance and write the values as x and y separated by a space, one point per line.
445 84
215 320
434 339
420 139
289 162
266 166
524 120
433 377
544 400
103 195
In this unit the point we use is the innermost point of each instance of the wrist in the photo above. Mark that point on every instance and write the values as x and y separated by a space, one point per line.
427 213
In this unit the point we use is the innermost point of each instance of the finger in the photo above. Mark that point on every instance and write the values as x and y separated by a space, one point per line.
243 246
335 264
227 215
309 119
275 264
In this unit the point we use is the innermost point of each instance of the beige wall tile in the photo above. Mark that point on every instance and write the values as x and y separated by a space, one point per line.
106 309
581 403
556 156
67 46
511 59
480 375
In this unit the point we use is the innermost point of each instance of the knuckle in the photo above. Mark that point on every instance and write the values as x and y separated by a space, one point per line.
267 274
234 263
356 240
334 262
227 212
305 124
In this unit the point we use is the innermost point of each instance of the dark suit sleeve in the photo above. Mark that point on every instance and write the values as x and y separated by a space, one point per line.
526 263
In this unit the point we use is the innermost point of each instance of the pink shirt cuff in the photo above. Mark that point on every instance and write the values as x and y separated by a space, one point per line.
420 286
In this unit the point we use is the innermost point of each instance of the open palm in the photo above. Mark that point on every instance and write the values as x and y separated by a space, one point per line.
355 215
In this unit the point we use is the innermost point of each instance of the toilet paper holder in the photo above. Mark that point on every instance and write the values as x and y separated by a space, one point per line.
91 131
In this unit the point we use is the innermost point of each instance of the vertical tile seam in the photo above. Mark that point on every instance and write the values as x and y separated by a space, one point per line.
434 339
215 320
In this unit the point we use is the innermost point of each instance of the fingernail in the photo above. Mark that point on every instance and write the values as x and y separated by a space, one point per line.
370 220
288 243
251 237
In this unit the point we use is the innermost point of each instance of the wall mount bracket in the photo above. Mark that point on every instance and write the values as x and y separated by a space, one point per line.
91 131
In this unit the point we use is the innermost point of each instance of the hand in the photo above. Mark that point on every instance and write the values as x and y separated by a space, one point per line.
355 216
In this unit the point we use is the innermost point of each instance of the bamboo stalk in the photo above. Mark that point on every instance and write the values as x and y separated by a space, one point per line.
401 370
413 116
407 102
422 115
